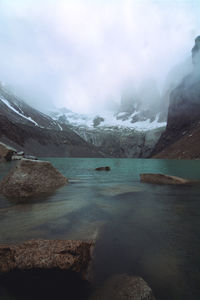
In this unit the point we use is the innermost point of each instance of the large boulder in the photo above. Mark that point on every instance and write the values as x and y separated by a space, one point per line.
6 152
124 287
73 256
30 178
165 179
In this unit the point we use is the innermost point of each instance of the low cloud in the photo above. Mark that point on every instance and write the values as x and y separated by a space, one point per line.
81 54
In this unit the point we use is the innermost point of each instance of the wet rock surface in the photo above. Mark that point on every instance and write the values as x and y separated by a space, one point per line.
73 256
165 179
124 287
30 178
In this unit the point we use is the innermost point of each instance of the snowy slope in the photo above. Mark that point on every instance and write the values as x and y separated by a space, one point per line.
18 111
108 120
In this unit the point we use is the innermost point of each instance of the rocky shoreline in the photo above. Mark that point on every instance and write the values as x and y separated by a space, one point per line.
71 262
8 153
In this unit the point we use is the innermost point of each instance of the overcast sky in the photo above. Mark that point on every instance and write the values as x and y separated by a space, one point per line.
81 53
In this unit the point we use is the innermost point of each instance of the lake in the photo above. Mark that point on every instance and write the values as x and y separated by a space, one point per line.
141 229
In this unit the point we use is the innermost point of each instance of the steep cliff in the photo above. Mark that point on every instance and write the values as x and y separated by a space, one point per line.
183 113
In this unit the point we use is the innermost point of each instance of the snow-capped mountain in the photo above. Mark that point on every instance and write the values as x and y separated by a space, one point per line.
108 120
129 133
27 129
139 110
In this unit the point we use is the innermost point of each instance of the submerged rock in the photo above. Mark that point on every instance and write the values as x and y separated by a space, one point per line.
30 178
74 256
103 168
165 179
124 287
119 189
6 152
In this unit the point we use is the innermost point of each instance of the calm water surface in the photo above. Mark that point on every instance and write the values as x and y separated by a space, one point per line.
141 229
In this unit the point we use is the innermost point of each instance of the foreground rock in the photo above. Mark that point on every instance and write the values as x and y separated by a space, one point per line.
30 178
6 152
74 256
124 287
103 168
165 179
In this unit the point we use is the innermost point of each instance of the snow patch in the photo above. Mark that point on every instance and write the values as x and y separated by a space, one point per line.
60 126
17 112
111 121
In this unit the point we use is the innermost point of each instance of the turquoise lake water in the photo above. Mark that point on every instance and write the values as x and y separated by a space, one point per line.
140 229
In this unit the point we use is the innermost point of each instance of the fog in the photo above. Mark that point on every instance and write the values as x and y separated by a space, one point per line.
83 54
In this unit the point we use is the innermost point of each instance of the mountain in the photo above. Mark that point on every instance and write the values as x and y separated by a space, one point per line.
180 139
27 129
130 131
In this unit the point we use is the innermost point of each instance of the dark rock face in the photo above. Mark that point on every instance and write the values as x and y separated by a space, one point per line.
184 106
97 121
196 53
186 147
74 256
164 179
124 287
30 178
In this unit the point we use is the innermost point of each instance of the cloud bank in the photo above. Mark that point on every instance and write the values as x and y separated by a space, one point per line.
81 53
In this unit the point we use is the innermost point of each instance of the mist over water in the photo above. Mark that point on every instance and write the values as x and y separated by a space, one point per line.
84 54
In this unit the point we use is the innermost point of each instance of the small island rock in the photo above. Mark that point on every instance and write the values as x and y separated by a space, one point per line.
103 168
30 178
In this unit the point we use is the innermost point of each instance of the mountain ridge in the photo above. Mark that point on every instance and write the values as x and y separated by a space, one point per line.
27 129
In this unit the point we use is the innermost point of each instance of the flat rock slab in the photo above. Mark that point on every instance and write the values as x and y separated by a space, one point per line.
68 255
30 178
124 287
165 179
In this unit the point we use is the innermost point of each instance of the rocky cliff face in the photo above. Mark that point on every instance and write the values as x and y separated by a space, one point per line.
184 106
27 129
123 142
